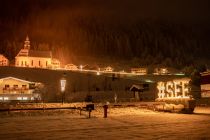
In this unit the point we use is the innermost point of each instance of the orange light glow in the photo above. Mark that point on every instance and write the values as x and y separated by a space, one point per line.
173 89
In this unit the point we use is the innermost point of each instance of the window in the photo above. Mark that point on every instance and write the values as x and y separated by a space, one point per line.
6 86
1 98
46 63
32 86
32 62
21 63
6 98
24 86
15 86
39 63
25 98
19 98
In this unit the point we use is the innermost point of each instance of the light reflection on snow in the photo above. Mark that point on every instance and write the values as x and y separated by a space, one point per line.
122 123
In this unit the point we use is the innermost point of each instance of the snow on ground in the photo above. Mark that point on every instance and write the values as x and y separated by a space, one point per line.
122 123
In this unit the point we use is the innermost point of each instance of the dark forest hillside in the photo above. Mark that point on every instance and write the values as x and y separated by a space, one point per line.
95 29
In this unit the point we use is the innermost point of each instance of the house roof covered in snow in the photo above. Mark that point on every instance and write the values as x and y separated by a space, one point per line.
205 78
2 56
137 88
45 54
17 79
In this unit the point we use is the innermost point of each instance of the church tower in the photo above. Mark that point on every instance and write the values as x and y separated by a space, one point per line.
27 43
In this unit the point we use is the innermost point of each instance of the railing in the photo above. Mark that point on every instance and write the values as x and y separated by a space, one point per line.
16 90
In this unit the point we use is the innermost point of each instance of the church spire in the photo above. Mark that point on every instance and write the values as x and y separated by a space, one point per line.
27 43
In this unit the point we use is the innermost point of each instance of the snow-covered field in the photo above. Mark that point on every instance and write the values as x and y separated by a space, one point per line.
122 123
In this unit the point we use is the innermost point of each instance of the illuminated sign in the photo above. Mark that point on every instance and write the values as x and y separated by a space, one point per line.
178 88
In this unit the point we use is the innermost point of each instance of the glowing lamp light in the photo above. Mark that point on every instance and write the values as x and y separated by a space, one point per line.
63 85
149 81
81 67
98 73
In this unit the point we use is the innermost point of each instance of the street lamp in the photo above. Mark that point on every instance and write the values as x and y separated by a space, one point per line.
81 67
98 73
63 86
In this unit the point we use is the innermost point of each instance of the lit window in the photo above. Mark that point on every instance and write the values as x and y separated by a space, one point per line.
19 98
32 98
15 86
24 86
6 86
25 98
6 98
1 98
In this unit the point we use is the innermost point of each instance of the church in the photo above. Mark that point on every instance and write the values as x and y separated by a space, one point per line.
34 58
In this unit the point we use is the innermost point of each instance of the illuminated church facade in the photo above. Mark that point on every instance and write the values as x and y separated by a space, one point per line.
35 59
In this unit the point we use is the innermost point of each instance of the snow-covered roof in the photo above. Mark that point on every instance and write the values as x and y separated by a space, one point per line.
2 56
71 65
136 87
6 78
183 79
45 54
205 73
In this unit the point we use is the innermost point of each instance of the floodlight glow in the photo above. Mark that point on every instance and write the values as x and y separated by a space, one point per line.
149 81
81 67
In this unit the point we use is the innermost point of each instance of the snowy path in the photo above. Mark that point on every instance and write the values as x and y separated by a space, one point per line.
136 124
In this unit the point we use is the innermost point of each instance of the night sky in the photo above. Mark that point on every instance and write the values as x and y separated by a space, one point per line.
197 11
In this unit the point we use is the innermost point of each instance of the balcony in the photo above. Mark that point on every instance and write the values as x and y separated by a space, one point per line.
17 91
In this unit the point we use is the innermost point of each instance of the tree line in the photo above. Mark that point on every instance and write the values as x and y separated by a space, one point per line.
72 32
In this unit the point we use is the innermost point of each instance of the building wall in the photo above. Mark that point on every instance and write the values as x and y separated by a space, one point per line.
205 84
55 63
100 96
37 62
71 67
18 90
140 71
11 83
3 61
205 90
21 61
